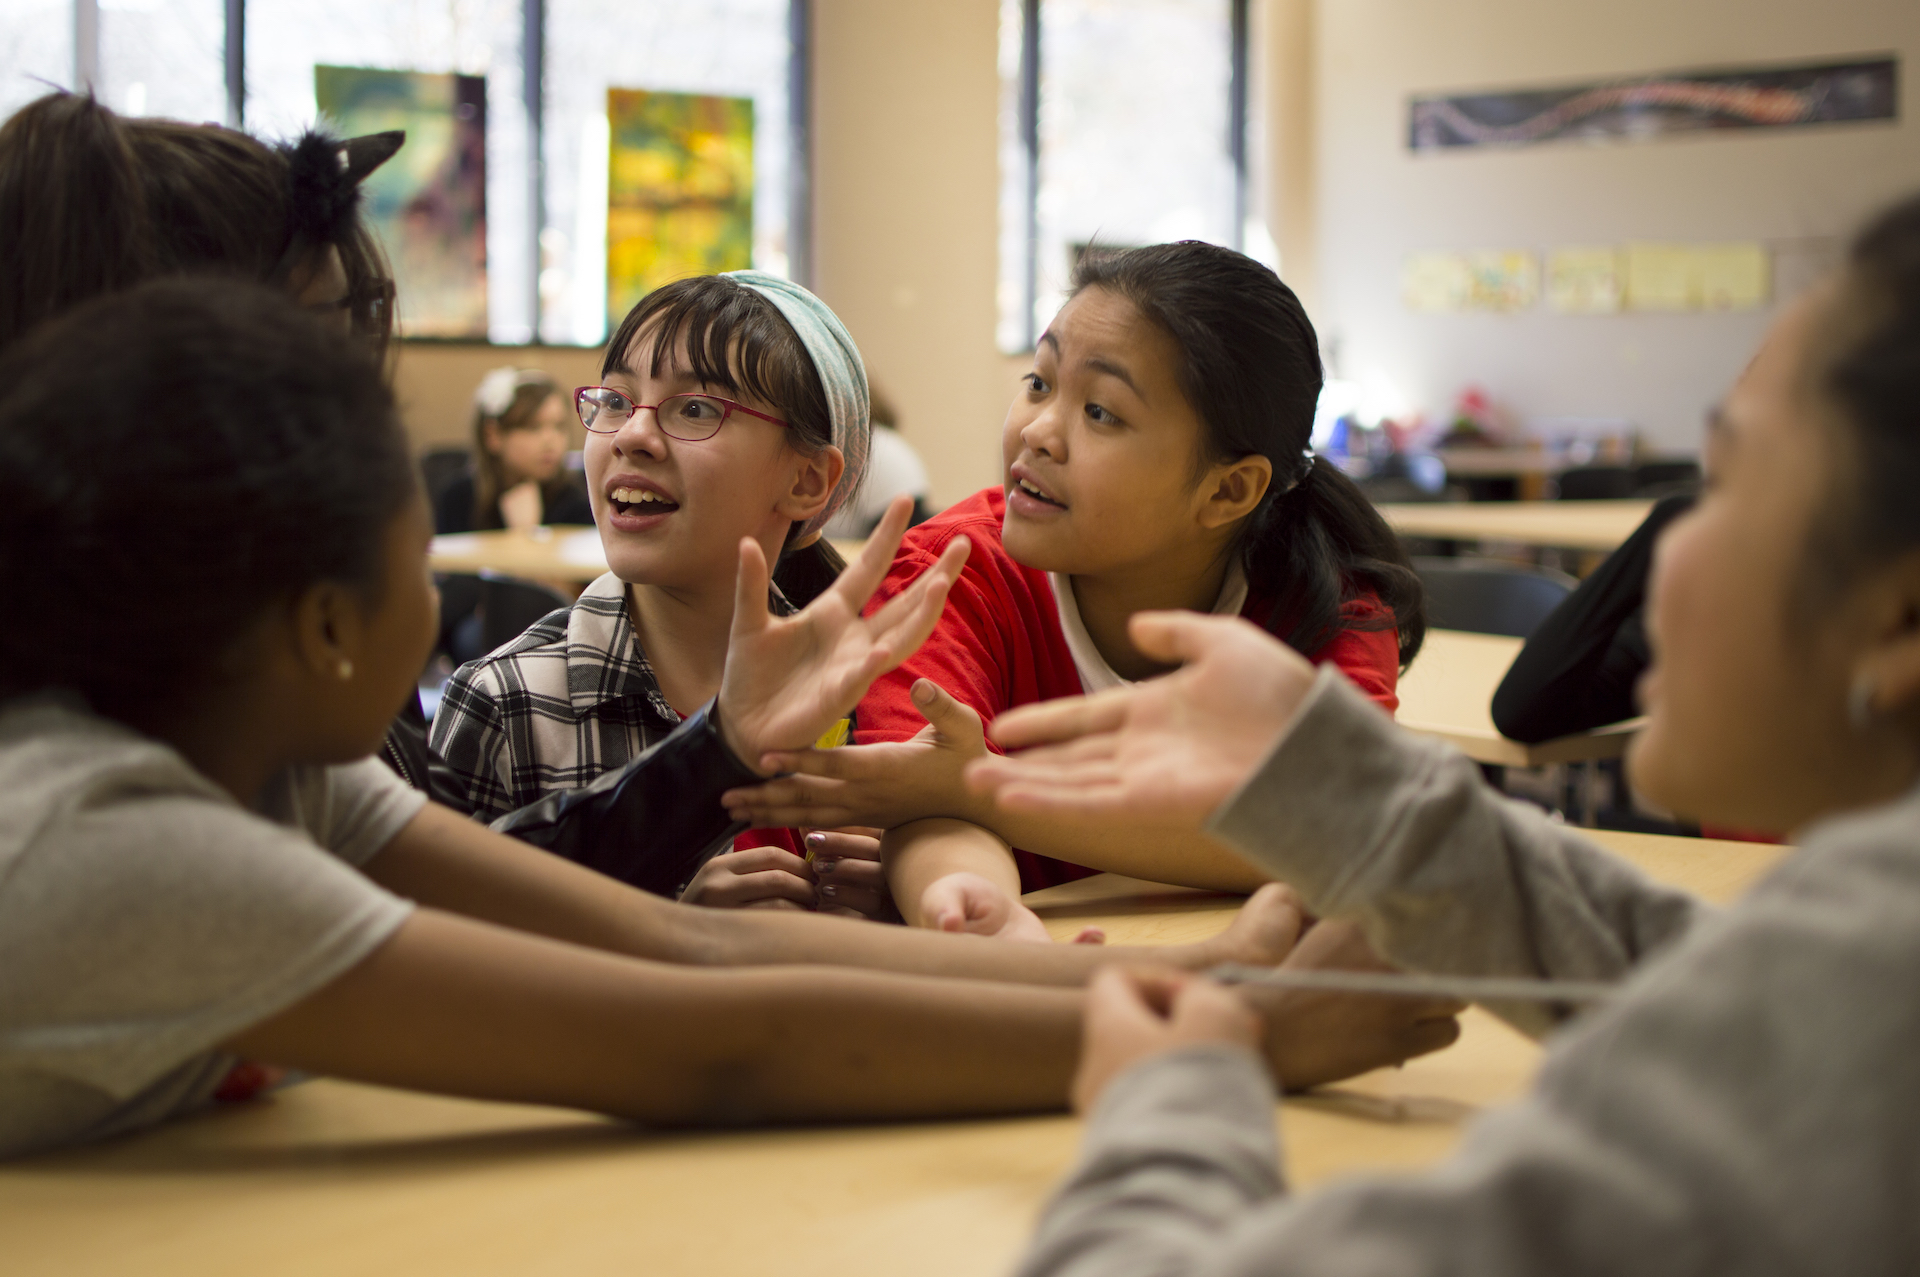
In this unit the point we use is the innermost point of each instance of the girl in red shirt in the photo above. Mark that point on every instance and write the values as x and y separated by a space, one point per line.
1157 458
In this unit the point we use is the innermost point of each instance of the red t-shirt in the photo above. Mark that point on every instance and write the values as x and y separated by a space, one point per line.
999 644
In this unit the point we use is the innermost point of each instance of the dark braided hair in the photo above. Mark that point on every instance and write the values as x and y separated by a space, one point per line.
1250 367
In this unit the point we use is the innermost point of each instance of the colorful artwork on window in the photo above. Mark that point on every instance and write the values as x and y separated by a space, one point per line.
679 190
429 202
1654 106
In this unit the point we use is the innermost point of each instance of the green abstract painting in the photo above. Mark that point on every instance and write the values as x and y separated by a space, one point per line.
679 190
429 202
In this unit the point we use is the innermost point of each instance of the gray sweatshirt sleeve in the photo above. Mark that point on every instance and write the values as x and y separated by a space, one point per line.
1747 1106
1400 833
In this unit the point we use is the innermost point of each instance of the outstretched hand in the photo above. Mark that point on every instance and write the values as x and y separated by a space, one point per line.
1168 750
788 679
884 785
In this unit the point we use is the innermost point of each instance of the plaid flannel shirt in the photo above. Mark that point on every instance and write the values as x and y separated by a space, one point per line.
571 698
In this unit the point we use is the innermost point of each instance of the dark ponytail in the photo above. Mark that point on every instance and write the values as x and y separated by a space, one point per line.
92 203
73 210
1250 367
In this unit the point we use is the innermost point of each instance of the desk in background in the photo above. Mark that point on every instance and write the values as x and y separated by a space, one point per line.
1448 692
332 1178
1562 525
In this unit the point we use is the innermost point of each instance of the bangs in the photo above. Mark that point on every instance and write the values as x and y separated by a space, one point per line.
736 342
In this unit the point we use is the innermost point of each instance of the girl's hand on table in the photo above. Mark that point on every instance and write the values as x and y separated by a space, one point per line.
883 785
1136 1013
521 507
787 679
846 865
1168 750
967 902
1315 1036
767 877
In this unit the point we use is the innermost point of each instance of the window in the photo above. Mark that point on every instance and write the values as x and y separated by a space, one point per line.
546 166
287 38
163 57
735 48
36 49
1122 123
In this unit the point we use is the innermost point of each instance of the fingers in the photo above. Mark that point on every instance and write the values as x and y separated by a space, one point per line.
838 844
750 589
863 576
1207 1012
1180 637
965 902
755 875
1090 935
1068 718
949 717
898 629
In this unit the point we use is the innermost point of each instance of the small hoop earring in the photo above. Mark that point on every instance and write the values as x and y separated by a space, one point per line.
345 669
1860 702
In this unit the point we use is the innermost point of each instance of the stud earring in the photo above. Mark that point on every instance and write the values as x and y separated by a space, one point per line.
1860 702
345 670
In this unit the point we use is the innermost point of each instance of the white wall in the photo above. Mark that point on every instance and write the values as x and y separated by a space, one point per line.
1377 201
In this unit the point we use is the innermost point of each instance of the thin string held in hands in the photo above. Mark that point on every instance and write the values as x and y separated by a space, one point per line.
1402 985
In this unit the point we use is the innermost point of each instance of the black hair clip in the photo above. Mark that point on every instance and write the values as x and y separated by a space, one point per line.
323 187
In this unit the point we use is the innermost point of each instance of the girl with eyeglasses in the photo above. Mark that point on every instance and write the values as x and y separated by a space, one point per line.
732 406
1157 458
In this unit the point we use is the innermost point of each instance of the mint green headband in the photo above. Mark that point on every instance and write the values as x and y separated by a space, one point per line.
842 373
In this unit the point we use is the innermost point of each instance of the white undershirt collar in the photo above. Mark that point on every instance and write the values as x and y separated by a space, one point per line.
1095 674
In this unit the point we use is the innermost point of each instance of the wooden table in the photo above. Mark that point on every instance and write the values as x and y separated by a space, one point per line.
542 554
1565 525
1448 693
330 1178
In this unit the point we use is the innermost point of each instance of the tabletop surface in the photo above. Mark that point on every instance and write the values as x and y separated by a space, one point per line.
1448 692
332 1178
1574 525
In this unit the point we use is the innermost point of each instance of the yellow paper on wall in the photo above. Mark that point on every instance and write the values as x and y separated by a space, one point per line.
1584 281
1661 277
1732 276
1503 279
1435 282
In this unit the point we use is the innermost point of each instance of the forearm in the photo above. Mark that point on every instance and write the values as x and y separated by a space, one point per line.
456 1007
1137 849
1399 832
922 852
447 863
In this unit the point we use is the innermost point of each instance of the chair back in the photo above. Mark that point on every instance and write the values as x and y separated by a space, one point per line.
1658 479
441 466
1596 483
508 606
1486 596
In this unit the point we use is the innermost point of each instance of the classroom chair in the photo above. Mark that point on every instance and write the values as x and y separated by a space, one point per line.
1596 483
1486 596
509 605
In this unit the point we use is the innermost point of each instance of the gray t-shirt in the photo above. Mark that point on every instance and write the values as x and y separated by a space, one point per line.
146 917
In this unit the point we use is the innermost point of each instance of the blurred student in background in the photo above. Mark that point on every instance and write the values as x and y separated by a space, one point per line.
519 478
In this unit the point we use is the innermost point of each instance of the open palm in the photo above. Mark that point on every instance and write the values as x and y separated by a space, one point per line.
788 679
1166 751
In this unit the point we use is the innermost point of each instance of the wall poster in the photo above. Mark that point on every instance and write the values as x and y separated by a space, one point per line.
679 190
429 202
1653 106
